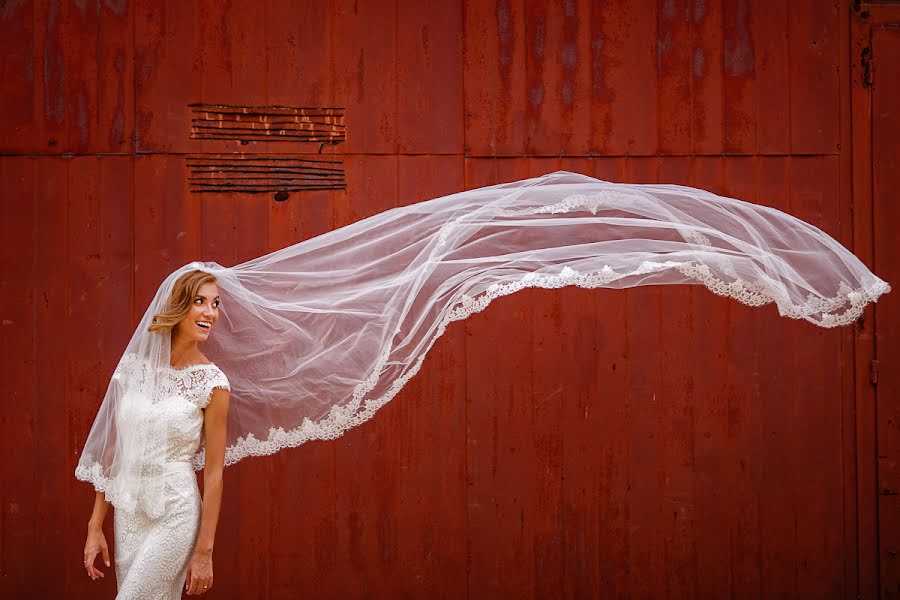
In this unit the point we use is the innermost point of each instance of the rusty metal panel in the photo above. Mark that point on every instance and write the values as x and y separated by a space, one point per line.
815 77
65 89
17 86
741 95
494 78
624 116
17 364
723 76
707 74
674 71
66 315
297 51
732 425
364 72
884 373
53 418
773 33
577 443
170 73
429 60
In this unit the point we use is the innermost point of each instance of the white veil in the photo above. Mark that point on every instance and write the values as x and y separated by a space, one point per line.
315 337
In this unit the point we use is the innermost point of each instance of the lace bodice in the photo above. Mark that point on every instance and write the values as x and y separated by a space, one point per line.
183 395
178 402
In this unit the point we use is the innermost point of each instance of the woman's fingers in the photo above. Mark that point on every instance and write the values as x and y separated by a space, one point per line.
192 583
89 564
199 585
96 544
199 580
92 571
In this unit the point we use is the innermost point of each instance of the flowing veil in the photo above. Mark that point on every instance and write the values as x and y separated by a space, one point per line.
316 337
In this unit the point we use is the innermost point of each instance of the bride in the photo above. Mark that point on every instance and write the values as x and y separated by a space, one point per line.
156 557
316 337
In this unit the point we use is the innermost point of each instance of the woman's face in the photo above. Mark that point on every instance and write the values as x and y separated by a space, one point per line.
203 315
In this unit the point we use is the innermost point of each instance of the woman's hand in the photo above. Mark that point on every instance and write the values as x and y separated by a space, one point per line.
95 544
199 574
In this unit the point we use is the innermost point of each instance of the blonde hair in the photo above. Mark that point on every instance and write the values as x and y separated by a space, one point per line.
180 301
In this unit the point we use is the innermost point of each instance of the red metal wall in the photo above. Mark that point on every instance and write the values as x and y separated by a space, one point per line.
569 443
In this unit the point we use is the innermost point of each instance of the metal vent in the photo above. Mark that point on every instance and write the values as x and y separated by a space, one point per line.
247 124
262 174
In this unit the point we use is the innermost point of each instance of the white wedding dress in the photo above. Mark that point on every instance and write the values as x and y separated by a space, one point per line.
152 555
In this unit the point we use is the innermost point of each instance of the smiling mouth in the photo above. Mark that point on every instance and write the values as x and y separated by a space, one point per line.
204 325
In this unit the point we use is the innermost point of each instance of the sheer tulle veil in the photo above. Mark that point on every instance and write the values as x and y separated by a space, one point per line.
316 337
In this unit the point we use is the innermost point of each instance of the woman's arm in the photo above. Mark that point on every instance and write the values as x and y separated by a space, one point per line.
96 541
200 575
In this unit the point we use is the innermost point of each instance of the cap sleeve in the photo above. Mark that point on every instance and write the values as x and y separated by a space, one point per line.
215 378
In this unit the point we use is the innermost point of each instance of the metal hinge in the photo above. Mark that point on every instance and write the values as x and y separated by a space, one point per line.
873 372
865 61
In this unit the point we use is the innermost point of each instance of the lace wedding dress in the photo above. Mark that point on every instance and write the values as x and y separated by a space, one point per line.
152 555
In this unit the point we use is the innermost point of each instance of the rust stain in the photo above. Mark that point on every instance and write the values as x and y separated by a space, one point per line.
361 76
699 11
504 38
663 48
10 8
699 63
117 129
119 7
505 41
81 119
569 54
669 9
54 75
598 81
739 55
536 73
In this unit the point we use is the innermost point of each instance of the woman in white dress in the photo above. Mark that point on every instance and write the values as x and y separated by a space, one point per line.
155 557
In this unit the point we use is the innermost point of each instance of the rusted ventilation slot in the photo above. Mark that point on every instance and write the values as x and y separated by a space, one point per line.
258 174
268 124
